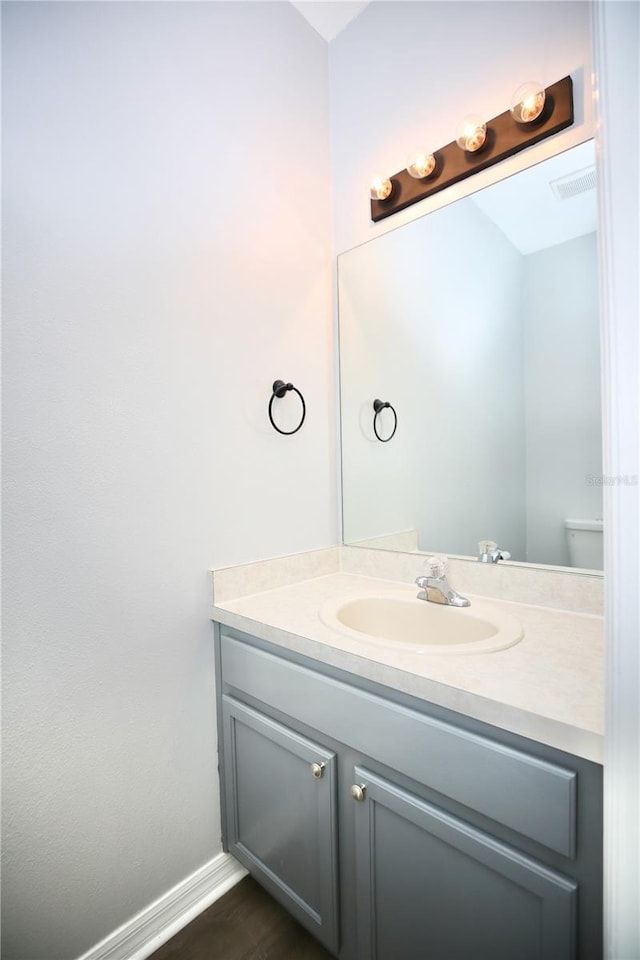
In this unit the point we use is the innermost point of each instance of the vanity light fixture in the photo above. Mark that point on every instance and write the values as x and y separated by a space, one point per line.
421 164
527 103
381 187
535 114
471 133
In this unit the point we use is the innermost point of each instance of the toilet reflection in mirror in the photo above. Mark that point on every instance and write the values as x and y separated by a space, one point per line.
481 320
585 543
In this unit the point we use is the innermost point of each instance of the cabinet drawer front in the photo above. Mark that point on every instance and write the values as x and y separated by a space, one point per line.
526 794
281 815
455 892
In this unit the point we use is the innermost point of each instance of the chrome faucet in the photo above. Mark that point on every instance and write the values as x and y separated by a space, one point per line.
436 588
489 552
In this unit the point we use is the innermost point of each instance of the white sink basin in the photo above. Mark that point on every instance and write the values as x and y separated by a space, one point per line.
402 622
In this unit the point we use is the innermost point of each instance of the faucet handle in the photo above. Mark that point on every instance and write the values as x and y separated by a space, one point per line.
487 546
437 566
488 552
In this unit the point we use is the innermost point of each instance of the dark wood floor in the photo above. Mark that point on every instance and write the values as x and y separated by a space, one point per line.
245 924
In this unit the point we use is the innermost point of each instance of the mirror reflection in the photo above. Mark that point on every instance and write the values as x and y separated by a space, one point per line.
478 324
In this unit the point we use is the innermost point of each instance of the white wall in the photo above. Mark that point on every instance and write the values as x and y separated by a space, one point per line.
405 73
141 294
617 79
166 257
562 394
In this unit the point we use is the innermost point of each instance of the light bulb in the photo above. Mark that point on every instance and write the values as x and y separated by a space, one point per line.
380 187
421 164
471 133
527 102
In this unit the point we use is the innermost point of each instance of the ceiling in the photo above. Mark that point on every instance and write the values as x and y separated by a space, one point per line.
329 17
525 208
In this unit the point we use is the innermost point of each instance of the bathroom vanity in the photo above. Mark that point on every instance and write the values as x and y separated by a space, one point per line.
380 808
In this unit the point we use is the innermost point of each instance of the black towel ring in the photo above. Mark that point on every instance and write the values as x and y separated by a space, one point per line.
379 405
279 389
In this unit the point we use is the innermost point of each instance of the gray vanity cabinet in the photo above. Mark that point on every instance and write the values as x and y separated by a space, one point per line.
450 887
281 814
392 828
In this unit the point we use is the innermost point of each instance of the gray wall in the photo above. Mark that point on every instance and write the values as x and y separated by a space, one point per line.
562 394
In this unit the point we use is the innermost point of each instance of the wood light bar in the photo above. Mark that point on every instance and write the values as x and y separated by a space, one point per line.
505 137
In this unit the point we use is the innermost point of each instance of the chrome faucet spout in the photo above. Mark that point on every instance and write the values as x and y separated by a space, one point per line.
438 590
489 552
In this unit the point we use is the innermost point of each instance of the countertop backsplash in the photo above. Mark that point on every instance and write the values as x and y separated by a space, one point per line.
556 588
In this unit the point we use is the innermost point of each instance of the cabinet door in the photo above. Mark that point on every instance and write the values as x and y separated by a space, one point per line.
430 887
280 792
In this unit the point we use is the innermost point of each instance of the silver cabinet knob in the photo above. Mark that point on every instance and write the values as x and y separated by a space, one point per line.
317 769
358 791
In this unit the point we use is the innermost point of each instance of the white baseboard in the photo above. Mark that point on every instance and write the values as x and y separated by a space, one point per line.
144 933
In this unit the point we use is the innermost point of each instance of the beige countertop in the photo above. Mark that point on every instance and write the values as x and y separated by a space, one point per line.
548 687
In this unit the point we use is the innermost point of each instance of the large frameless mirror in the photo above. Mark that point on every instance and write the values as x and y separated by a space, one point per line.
478 323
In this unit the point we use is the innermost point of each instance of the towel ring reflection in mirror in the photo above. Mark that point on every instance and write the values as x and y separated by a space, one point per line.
279 390
378 407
